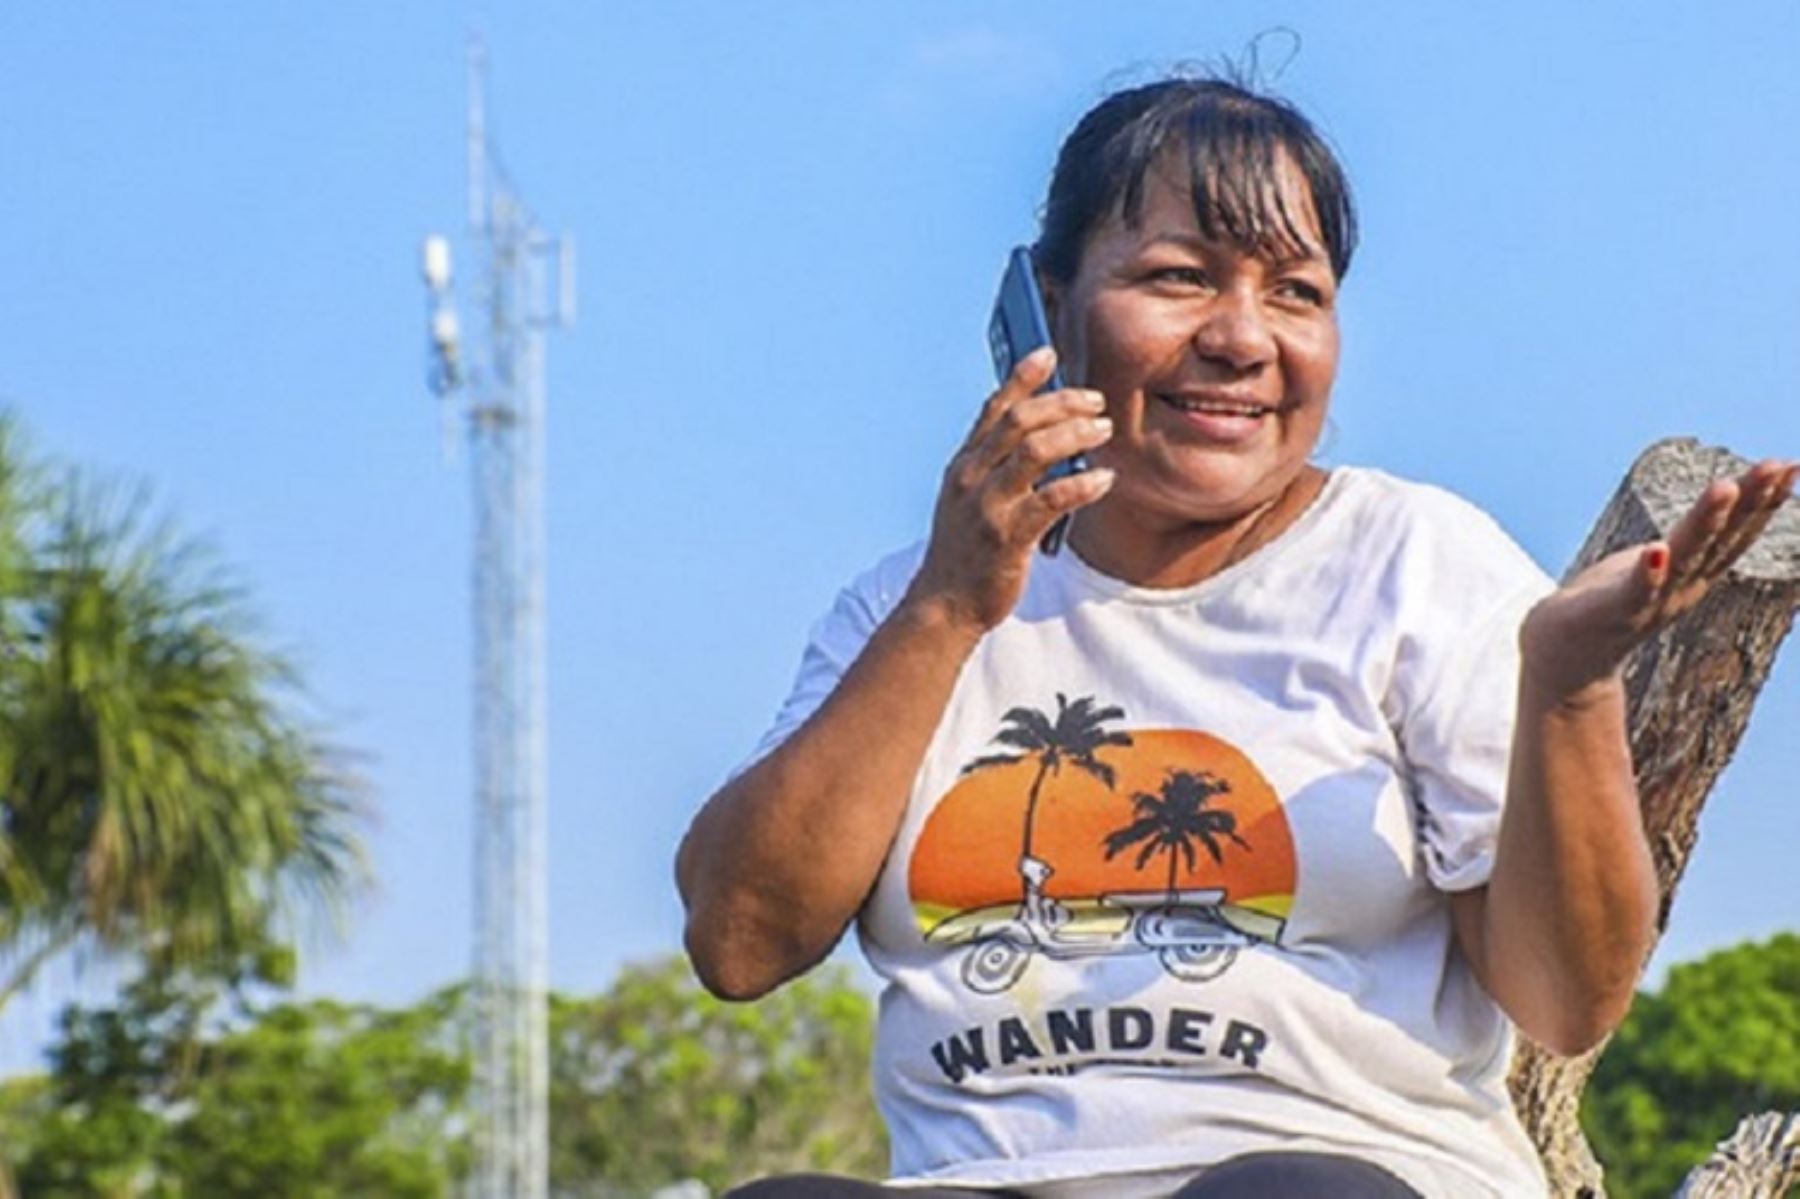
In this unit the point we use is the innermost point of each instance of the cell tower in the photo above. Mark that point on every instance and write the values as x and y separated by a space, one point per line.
497 384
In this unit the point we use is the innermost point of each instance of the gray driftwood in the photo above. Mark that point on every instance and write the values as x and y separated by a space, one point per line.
1691 690
1761 1160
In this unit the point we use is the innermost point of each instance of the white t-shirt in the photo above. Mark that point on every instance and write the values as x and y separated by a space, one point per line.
1244 801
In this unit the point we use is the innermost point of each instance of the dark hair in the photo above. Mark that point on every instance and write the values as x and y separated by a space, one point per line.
1233 136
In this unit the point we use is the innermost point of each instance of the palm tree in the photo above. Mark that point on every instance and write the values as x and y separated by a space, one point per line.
159 795
1171 820
1076 735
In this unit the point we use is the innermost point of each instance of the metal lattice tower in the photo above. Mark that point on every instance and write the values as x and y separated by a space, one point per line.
498 385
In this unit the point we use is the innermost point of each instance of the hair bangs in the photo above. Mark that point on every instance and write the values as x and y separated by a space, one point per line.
1240 154
1233 160
1240 190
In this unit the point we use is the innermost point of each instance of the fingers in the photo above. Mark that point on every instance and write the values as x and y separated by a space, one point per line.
1723 523
1727 519
1037 451
1694 540
1046 504
994 480
1031 373
1025 420
1007 493
1761 491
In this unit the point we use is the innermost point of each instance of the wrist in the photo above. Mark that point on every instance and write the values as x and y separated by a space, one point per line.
1555 690
940 616
1567 666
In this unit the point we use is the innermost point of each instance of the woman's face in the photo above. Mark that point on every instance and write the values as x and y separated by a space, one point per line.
1216 362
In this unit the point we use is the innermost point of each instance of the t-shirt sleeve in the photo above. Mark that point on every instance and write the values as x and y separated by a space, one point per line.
1459 675
835 642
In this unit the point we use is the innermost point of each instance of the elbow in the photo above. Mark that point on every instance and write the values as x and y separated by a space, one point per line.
1565 1038
1581 1028
728 965
730 978
727 955
1573 1039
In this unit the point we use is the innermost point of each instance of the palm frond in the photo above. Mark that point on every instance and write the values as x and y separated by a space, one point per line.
1021 737
983 763
1033 723
1122 839
160 787
1094 766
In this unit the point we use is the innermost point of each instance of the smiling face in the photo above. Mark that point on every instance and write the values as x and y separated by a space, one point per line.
1216 358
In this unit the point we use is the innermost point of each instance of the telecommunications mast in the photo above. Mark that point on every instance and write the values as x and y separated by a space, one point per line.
496 381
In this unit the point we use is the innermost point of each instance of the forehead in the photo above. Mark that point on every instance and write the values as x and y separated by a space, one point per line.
1262 208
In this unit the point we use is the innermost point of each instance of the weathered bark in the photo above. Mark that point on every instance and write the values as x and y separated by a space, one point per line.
1690 691
1760 1160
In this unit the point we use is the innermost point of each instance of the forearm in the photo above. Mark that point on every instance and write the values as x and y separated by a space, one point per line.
1560 933
1571 904
779 860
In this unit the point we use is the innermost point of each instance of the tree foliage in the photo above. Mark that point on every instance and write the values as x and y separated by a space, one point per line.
185 1088
656 1081
1719 1041
166 1096
160 798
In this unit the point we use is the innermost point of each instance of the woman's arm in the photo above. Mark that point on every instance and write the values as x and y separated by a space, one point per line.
1560 932
777 863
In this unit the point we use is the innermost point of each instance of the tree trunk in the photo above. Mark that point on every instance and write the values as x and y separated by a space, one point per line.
1690 692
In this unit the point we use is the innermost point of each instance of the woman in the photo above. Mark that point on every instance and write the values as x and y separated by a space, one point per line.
1182 852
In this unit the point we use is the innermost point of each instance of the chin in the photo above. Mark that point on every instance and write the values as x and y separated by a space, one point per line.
1212 490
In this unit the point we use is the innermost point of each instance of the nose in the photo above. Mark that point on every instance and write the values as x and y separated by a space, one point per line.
1235 330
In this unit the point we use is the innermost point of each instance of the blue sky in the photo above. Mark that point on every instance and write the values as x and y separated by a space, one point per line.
1578 238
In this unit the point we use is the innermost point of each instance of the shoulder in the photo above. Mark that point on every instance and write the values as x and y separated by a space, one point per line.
1433 535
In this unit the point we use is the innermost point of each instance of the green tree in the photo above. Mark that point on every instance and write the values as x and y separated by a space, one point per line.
160 797
1174 818
1719 1041
327 1098
190 1086
656 1081
95 1126
183 1088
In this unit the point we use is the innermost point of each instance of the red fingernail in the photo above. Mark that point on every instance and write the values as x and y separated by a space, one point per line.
1658 557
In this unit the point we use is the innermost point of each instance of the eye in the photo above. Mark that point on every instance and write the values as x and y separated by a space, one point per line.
1179 277
1301 290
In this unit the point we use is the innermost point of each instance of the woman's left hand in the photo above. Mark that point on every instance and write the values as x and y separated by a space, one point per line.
1580 635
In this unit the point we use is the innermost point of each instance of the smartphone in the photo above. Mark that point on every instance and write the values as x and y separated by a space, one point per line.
1018 327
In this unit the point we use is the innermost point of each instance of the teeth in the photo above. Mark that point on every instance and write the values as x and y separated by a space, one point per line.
1223 409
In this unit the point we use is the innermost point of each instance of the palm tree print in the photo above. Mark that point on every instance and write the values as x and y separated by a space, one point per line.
1074 737
1174 818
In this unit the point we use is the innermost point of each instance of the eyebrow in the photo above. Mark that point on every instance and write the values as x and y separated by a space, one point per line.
1315 255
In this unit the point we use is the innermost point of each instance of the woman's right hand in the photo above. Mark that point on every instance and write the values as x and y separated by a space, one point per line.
990 511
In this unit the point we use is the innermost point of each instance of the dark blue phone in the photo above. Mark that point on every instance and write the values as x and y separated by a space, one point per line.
1018 327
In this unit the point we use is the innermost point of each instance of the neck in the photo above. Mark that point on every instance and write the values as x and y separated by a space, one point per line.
1160 550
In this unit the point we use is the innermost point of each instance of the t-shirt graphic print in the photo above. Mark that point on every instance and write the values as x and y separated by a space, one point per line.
1166 842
